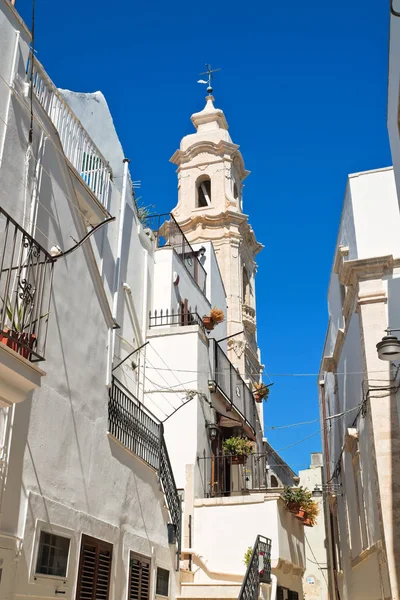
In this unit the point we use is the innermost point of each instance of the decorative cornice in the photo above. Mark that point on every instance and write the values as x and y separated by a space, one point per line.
352 271
224 150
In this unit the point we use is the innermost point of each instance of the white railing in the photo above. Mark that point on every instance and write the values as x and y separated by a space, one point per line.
78 146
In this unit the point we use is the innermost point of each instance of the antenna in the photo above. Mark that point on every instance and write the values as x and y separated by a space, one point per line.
210 77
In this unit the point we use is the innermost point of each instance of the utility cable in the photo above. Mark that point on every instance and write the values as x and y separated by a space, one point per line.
320 568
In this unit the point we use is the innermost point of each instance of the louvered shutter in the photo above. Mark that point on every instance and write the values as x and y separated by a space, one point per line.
293 596
279 593
139 578
94 570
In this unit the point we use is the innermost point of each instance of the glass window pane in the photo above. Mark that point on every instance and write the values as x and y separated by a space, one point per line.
52 554
162 582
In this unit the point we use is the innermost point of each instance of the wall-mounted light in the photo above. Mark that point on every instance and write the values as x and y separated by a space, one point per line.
326 489
212 385
212 431
389 347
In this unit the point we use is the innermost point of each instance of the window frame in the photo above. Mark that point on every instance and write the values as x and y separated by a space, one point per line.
43 578
143 557
164 568
101 543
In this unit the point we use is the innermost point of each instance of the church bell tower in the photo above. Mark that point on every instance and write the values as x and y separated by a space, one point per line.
211 172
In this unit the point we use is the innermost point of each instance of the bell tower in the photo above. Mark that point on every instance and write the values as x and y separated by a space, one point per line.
211 172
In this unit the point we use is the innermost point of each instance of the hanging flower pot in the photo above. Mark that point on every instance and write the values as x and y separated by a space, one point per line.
261 391
307 523
293 507
300 514
208 323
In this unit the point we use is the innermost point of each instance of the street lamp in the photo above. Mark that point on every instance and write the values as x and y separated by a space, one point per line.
212 431
326 489
389 347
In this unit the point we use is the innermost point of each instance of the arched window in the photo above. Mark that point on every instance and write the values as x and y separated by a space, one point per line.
203 190
274 481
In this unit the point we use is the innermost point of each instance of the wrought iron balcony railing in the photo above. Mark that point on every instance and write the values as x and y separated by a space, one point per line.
179 318
134 426
78 146
26 275
227 475
232 386
258 570
168 233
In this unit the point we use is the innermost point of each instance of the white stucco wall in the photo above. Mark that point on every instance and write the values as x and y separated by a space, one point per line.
315 579
64 470
235 522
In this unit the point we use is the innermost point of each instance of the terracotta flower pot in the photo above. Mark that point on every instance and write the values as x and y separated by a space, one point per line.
208 323
300 514
307 522
14 339
258 398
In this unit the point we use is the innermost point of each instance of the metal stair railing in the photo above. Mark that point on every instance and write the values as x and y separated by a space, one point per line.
258 570
167 480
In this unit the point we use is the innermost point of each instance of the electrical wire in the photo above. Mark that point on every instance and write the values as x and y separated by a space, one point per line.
274 428
315 558
275 374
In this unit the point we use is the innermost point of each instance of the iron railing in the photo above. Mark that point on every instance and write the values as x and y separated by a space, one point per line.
171 494
232 386
178 318
134 426
77 145
169 234
26 275
227 475
258 570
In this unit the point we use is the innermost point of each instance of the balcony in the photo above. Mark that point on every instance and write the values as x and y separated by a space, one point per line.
223 476
172 318
231 385
249 318
26 273
89 167
168 234
138 430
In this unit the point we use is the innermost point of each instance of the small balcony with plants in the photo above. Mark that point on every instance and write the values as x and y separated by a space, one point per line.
26 273
299 502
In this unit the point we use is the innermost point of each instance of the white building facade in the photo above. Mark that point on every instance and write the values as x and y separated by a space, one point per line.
115 397
358 395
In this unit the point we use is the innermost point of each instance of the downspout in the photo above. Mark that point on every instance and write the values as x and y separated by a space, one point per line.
11 83
117 272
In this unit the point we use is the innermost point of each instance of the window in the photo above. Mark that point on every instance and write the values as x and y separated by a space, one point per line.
235 191
274 481
139 577
94 569
52 555
203 192
162 586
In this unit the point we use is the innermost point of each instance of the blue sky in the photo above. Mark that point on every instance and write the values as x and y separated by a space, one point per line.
303 86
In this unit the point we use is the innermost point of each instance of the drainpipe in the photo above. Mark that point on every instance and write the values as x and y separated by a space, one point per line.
117 272
37 182
11 83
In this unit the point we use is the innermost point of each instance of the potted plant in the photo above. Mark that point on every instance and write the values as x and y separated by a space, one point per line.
14 335
261 391
311 512
296 498
238 448
215 317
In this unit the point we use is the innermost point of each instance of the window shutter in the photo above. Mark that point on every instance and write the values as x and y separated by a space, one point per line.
94 570
293 596
279 593
139 578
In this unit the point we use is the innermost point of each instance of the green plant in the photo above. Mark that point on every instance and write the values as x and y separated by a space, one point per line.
19 316
143 210
297 496
247 556
237 446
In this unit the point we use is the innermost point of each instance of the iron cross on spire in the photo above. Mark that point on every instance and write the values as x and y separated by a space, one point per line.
210 77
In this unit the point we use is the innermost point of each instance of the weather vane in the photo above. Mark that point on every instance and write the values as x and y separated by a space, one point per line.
210 75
